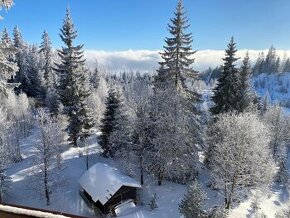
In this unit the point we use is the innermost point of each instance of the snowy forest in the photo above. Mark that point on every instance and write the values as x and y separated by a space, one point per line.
203 144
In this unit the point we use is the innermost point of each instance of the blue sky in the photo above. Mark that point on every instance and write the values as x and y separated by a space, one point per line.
116 25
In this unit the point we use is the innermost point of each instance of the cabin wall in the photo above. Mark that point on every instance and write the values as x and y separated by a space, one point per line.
124 193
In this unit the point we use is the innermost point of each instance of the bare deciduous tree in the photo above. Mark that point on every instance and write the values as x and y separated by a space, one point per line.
48 149
241 157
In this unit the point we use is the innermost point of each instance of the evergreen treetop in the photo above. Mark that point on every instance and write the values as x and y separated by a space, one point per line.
176 67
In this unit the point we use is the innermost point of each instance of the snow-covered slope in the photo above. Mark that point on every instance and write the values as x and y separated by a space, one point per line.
276 87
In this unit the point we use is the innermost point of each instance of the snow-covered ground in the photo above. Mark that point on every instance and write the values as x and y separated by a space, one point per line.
271 201
66 198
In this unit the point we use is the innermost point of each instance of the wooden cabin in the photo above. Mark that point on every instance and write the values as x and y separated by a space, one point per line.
105 187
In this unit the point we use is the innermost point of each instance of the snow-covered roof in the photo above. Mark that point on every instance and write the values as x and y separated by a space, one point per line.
102 181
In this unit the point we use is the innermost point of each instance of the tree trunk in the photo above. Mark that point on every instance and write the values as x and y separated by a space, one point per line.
226 190
45 167
46 189
159 181
1 194
232 192
46 182
160 177
87 155
87 161
141 170
75 139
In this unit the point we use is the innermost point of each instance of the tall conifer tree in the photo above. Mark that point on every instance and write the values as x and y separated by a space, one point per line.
46 50
73 85
247 95
49 76
110 121
20 47
226 96
174 110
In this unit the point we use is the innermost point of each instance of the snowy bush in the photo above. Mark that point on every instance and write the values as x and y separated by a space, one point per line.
191 205
255 205
218 212
259 214
153 202
284 213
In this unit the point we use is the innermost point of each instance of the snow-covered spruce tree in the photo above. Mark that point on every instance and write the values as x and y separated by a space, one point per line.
286 66
50 80
95 77
176 67
34 85
20 59
73 88
242 159
8 67
270 63
247 97
174 110
47 67
191 205
48 150
172 152
257 69
120 138
277 67
110 123
7 43
6 40
226 96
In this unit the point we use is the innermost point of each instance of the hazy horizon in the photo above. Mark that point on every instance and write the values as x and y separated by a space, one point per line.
147 60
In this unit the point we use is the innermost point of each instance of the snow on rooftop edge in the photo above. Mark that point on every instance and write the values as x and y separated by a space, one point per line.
102 181
35 213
